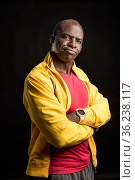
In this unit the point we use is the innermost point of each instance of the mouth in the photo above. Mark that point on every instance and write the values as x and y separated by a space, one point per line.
69 51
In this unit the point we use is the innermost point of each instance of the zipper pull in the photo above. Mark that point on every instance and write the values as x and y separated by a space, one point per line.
95 170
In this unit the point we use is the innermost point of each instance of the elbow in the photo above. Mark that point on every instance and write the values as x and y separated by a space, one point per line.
59 142
103 120
109 115
106 115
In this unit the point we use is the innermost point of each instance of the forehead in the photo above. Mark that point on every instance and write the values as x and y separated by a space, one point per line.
72 29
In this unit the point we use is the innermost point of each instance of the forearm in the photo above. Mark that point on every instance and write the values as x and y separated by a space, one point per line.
95 116
62 132
98 114
72 116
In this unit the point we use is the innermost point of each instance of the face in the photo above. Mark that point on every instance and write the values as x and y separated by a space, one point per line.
67 44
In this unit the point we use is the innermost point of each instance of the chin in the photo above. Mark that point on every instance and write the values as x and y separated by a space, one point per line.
68 58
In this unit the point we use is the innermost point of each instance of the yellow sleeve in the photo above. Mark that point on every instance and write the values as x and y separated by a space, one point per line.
98 112
50 116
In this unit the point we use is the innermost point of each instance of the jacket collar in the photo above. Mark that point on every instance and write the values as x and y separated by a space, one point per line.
49 64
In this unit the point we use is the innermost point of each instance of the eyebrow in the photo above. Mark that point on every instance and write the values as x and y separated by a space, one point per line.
71 36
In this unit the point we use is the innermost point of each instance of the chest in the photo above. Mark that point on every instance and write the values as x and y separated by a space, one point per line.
78 92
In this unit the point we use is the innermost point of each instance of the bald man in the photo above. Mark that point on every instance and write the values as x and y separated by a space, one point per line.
65 111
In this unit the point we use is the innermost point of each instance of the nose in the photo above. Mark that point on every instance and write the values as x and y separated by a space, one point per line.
72 43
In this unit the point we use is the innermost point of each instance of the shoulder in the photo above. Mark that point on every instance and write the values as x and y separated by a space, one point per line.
38 74
82 74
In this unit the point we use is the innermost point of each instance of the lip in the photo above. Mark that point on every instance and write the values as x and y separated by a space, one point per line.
70 51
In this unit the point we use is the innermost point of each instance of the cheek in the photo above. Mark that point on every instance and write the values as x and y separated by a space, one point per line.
79 48
59 45
62 44
55 47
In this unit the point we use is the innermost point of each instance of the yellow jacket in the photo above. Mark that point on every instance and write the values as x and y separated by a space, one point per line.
49 124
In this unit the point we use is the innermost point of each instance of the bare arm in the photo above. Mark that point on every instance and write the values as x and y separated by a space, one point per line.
73 117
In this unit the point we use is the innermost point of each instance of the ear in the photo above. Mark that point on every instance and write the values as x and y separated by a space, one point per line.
52 39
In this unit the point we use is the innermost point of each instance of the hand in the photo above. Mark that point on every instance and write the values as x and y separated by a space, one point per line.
95 130
73 117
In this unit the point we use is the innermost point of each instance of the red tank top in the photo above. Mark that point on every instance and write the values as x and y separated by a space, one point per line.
72 159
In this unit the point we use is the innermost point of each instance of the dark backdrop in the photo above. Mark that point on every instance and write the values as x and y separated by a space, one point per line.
25 30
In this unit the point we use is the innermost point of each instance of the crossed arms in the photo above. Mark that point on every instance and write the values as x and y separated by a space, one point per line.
50 117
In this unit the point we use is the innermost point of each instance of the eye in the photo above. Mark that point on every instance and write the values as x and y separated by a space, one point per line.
79 41
65 37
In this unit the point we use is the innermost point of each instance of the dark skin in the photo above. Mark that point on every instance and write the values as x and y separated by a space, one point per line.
65 47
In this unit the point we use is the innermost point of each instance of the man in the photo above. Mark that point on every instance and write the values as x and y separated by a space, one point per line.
65 111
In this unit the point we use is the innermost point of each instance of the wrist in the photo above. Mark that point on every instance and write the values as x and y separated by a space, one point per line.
81 114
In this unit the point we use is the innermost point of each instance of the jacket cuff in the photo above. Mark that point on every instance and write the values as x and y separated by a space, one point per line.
89 119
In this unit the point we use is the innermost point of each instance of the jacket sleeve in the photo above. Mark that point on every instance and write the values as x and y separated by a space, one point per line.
50 116
98 112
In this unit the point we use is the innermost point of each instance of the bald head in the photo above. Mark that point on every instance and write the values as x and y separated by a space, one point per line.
59 25
66 40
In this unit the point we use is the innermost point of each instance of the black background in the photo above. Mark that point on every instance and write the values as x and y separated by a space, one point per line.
25 30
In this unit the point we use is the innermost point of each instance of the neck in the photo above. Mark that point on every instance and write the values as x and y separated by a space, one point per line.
62 66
